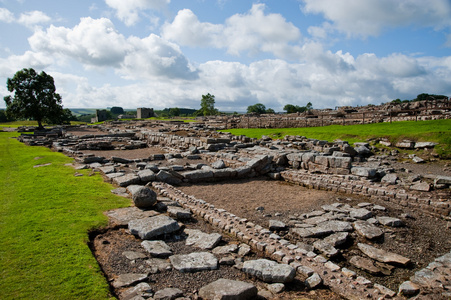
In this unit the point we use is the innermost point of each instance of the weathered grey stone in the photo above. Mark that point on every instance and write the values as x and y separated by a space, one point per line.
384 290
311 232
143 197
276 225
198 175
364 172
408 288
157 248
128 279
389 221
269 271
417 159
122 216
201 239
259 162
365 264
362 150
126 179
193 262
390 178
443 180
421 186
337 239
225 289
219 164
244 250
107 169
141 289
224 173
165 176
367 230
179 213
276 288
120 160
325 248
231 248
148 228
146 175
313 281
159 264
361 214
383 256
306 271
425 144
336 226
168 294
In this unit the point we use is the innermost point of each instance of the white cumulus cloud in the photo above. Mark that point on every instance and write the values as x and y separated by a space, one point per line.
129 11
252 33
33 18
6 16
365 18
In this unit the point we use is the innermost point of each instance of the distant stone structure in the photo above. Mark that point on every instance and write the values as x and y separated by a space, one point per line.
144 113
101 115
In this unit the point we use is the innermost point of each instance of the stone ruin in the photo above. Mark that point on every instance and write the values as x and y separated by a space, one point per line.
412 111
144 113
314 239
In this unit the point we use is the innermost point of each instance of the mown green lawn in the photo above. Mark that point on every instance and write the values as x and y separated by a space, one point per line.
45 216
438 131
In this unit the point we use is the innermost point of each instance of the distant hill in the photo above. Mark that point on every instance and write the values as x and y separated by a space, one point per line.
89 111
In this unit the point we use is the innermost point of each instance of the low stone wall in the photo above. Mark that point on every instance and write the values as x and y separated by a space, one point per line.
340 280
351 184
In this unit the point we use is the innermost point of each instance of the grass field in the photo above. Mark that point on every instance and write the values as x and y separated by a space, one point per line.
438 131
45 216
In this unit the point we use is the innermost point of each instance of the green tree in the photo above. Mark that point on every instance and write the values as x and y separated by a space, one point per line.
309 106
207 105
256 108
290 108
34 97
270 111
174 111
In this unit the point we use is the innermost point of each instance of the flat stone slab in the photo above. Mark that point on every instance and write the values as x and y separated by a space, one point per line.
231 248
124 280
122 216
193 262
225 289
389 221
179 213
336 226
312 232
148 228
325 248
368 230
269 271
201 239
157 248
168 293
126 180
159 264
383 256
361 214
276 225
365 264
337 239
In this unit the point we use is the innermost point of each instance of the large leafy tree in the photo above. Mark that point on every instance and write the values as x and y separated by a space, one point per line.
256 108
207 105
34 98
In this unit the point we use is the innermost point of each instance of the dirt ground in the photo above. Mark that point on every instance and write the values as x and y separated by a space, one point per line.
422 239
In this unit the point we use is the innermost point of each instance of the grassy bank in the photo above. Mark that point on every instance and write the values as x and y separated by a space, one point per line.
45 216
438 131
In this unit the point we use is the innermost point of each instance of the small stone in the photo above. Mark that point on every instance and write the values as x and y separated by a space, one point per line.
313 281
276 225
389 221
276 288
124 280
367 230
408 288
132 255
223 289
194 262
157 248
168 294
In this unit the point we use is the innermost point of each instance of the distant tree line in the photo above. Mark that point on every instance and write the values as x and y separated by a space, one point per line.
420 97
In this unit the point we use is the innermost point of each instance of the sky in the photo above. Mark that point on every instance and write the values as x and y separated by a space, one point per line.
168 53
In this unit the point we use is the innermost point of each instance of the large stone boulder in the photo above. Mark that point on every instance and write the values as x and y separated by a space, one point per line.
148 228
193 262
143 197
225 289
269 271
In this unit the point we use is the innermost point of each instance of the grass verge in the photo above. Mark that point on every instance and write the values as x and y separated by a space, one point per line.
438 131
45 216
